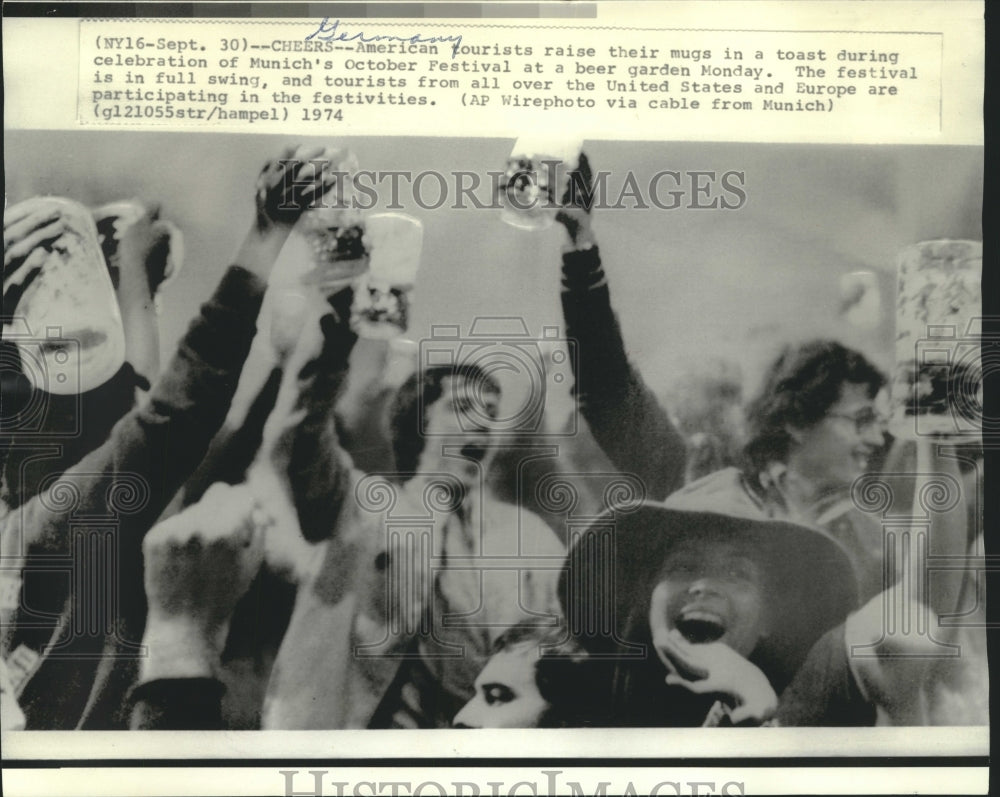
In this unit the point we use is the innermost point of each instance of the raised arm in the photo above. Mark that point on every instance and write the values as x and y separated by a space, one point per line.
198 564
150 452
891 657
896 641
160 442
624 415
318 468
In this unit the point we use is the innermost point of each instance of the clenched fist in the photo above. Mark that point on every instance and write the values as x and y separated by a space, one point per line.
198 564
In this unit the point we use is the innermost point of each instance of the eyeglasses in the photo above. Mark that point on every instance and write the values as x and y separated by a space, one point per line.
864 420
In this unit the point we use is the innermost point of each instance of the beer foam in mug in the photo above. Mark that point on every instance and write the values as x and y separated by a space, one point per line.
565 150
338 215
394 241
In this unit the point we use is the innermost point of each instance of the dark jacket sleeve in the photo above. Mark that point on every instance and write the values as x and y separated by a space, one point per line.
155 447
232 450
824 692
177 704
127 482
318 467
624 416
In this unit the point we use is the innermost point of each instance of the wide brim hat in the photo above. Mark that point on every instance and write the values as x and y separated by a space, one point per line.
614 564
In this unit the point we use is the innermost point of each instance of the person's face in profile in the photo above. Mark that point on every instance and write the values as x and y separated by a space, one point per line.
836 450
711 591
506 693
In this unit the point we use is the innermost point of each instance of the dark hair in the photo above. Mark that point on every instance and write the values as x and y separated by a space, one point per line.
576 687
408 419
798 390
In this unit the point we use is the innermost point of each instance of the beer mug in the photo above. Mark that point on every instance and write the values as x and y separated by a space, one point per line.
937 385
67 326
382 295
114 218
535 180
334 230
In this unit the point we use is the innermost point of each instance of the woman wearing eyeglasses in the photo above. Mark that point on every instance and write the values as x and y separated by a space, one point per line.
816 425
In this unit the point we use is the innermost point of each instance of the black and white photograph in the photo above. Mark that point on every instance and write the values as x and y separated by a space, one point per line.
337 432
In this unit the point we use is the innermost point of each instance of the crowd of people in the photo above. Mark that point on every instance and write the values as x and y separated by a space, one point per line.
366 552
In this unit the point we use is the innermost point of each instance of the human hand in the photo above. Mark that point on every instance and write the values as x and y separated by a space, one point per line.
198 564
29 231
714 668
577 202
290 184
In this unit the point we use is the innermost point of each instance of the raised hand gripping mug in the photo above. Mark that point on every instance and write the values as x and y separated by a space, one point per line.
67 325
536 177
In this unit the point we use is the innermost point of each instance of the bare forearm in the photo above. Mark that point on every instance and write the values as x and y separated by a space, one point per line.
260 248
178 649
940 497
138 312
142 338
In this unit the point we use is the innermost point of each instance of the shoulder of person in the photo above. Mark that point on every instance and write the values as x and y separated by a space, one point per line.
536 536
722 491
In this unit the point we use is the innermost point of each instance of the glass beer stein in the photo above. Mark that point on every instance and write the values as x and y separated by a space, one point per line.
114 218
382 295
334 230
67 326
937 385
535 180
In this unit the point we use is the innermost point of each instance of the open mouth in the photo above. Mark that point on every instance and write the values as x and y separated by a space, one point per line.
699 627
